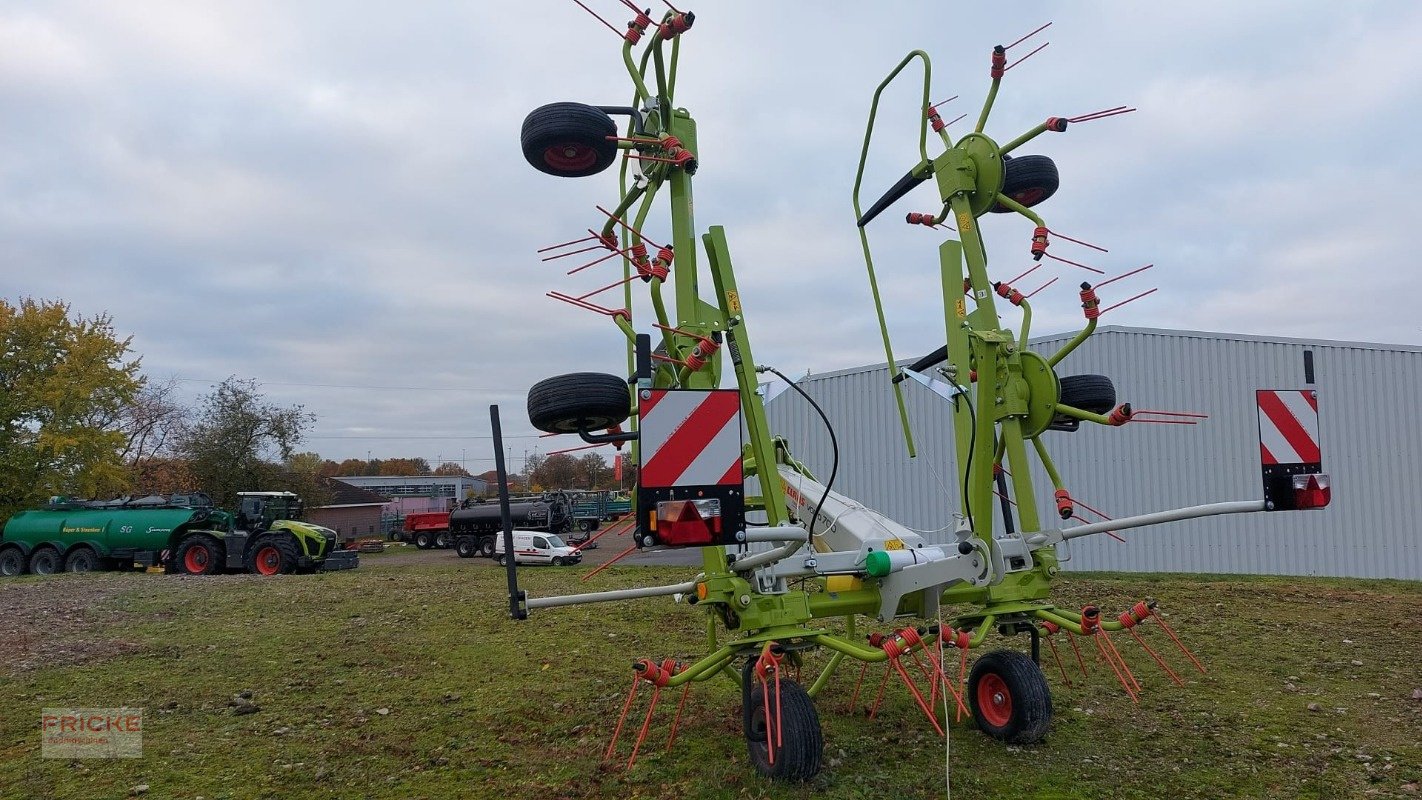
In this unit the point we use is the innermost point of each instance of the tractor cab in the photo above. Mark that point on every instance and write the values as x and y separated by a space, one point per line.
256 511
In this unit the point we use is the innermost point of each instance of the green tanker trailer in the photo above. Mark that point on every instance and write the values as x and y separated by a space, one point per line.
183 533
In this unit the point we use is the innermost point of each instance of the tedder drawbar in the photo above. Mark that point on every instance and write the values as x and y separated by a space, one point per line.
780 549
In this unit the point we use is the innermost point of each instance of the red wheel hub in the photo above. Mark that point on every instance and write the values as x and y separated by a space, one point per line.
994 700
1029 196
195 560
268 561
569 156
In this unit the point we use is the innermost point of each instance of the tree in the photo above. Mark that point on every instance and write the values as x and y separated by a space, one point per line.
150 424
452 469
404 466
237 440
64 381
593 471
558 471
302 474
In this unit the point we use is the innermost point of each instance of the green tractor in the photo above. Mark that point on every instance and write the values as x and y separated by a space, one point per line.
183 533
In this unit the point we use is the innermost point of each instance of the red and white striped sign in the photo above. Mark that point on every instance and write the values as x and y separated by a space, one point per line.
690 438
1288 426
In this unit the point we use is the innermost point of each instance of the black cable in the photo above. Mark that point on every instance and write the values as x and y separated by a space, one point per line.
972 445
834 446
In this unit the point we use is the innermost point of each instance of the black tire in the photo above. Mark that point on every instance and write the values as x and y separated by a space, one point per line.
1094 393
486 547
587 401
12 562
1029 180
586 526
81 559
568 140
441 540
199 555
424 540
499 559
801 752
558 561
466 547
273 554
45 561
1010 698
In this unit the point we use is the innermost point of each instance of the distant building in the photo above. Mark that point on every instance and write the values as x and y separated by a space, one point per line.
353 512
414 493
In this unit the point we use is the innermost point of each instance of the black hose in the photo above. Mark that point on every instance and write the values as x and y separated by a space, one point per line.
834 447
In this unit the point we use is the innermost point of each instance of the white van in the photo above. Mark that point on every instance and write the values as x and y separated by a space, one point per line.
537 547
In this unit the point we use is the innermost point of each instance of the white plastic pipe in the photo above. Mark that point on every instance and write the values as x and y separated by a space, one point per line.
602 597
1174 515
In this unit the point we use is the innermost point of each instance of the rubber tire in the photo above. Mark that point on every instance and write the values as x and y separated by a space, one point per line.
499 559
486 547
441 540
578 401
286 547
12 562
1029 180
81 559
216 556
1094 393
801 754
423 540
1027 690
569 125
45 561
466 547
558 561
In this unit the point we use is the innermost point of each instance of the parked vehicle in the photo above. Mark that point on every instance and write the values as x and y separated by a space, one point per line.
427 529
477 524
537 547
592 508
183 533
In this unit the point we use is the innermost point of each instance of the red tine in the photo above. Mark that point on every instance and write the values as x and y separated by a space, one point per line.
1124 275
1175 414
1074 264
596 262
1034 268
1028 36
633 230
1110 112
628 279
1028 296
956 119
1112 534
571 252
1060 235
1123 302
1042 47
600 19
566 244
944 102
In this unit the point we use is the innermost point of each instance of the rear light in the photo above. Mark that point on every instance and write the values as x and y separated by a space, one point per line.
1311 491
688 523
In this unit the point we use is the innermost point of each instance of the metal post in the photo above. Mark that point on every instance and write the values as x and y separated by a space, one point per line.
516 598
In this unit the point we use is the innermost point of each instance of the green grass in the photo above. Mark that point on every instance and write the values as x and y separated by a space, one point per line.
480 706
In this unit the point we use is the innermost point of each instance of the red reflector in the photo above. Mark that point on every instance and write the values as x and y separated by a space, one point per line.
688 522
1311 491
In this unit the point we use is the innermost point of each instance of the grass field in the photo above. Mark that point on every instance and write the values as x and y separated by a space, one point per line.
407 680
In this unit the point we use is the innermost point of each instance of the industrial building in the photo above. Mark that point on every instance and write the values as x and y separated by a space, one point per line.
413 493
1369 425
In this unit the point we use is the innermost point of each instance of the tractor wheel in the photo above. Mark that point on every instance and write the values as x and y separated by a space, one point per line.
81 559
465 547
273 554
1028 179
1093 393
579 401
569 140
199 555
44 561
800 749
12 562
1010 698
423 540
486 547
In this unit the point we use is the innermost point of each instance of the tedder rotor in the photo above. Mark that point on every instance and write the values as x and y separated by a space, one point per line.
781 551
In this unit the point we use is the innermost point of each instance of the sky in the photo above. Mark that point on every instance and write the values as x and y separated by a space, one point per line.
329 197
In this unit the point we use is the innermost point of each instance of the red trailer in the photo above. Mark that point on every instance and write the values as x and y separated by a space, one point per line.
428 529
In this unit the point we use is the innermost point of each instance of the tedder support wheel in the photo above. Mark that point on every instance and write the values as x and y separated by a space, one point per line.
1010 698
12 562
81 559
486 547
569 140
1093 393
800 749
465 547
273 554
1028 179
580 401
44 561
199 555
423 540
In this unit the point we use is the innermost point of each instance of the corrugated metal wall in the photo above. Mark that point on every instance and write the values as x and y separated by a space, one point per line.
1370 427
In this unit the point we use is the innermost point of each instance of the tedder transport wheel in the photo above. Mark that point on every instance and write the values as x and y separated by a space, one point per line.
1010 698
569 140
423 540
81 559
199 555
12 562
273 554
465 547
486 547
580 401
44 561
800 750
1028 179
1093 393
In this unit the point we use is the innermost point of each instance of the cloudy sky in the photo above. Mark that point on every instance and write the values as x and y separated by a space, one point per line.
329 197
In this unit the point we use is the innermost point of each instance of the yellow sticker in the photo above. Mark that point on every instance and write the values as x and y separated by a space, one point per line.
965 222
962 308
894 544
733 302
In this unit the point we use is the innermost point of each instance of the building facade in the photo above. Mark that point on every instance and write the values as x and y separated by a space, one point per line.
1371 441
353 512
415 493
